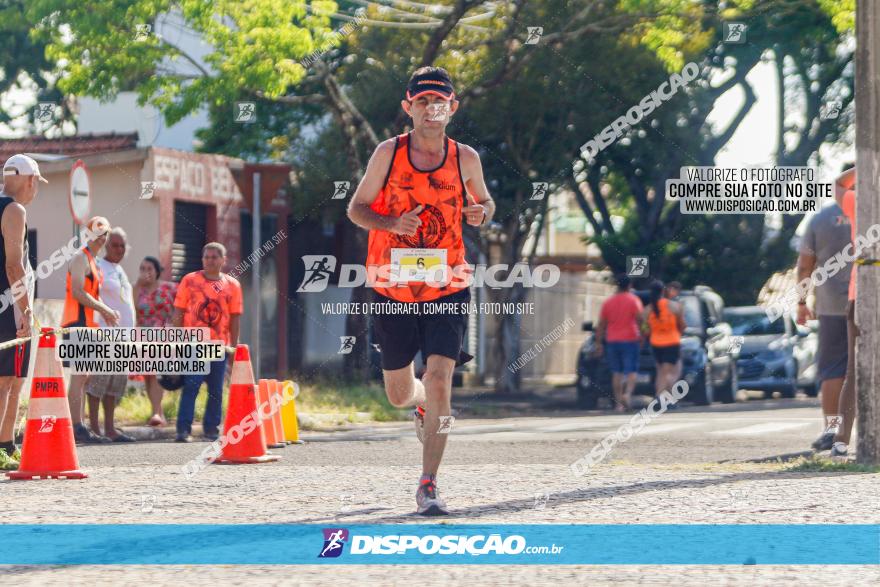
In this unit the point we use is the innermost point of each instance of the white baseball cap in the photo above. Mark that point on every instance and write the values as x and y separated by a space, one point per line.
22 165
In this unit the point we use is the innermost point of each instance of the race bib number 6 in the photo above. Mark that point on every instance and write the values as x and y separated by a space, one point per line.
418 265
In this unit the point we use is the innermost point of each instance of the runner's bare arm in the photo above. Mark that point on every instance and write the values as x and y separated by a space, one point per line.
359 210
482 206
12 225
177 319
844 182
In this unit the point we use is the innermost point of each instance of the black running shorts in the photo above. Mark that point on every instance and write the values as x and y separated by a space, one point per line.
402 329
666 354
14 361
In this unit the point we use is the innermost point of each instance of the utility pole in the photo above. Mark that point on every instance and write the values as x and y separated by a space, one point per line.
867 83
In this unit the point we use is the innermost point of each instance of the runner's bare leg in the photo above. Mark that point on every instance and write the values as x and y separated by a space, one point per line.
402 387
438 390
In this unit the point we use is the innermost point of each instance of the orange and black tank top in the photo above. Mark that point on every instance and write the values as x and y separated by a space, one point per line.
441 193
75 314
664 328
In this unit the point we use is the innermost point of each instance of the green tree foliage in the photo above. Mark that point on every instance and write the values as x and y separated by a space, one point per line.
23 59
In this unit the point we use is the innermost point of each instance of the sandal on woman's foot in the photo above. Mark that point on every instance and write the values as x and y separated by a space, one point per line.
156 420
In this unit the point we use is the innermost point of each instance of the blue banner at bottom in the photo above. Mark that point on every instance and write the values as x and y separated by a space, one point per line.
270 544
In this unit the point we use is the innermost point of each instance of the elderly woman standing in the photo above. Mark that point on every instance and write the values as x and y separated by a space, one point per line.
154 301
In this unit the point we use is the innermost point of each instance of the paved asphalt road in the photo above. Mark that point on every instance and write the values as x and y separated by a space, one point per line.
691 465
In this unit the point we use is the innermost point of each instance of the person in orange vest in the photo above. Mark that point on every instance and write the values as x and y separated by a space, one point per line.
415 193
82 300
21 177
665 320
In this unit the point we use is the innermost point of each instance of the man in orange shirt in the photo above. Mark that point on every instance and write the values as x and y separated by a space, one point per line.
209 299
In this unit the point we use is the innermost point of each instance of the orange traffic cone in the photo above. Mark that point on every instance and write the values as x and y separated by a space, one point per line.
49 451
245 441
288 416
273 439
275 390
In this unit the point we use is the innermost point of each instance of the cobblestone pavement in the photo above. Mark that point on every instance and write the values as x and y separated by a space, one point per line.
500 473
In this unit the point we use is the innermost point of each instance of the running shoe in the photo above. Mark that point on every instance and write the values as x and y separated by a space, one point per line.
419 421
838 450
824 442
7 463
17 454
429 501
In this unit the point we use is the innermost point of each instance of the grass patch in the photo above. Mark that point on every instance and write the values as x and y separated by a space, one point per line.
826 465
134 407
327 396
316 397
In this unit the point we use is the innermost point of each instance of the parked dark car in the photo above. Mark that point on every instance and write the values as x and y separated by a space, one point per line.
708 356
773 356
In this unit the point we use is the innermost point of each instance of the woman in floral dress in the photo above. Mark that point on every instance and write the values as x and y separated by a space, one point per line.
154 300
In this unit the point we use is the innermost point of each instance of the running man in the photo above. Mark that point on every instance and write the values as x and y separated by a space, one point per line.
826 235
416 190
21 177
82 300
